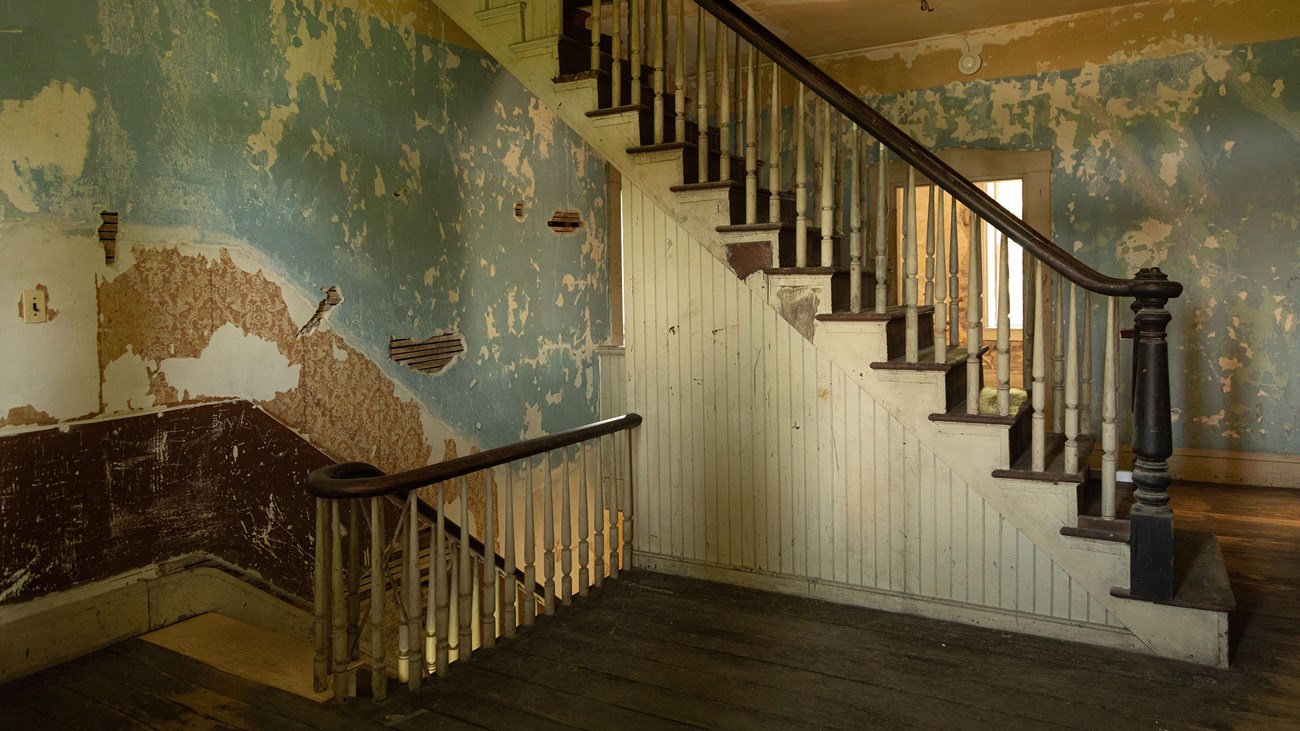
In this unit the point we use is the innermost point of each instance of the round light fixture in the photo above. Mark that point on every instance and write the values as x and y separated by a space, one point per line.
969 63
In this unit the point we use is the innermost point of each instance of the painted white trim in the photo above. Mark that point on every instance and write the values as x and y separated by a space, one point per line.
929 607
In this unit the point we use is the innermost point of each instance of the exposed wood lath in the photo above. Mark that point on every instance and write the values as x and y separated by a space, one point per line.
429 356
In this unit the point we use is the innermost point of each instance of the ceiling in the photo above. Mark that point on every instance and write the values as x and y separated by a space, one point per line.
816 27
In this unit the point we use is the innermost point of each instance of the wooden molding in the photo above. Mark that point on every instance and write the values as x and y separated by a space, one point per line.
1227 468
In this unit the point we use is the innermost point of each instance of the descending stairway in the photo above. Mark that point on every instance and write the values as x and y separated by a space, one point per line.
885 340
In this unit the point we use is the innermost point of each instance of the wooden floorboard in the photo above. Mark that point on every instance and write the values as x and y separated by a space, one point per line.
651 651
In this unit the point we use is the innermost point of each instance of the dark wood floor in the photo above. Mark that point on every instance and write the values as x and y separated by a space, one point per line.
653 651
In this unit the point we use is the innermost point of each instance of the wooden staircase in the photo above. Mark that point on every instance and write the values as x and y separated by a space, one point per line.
829 292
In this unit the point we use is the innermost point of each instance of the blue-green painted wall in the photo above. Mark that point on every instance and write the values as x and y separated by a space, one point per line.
349 151
1190 163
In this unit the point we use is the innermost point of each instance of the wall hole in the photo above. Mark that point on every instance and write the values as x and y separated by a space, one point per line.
427 356
565 222
108 235
520 213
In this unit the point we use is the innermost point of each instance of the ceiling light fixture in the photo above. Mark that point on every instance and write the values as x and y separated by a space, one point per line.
970 61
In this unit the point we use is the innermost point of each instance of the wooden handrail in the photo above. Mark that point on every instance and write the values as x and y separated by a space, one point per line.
359 479
930 165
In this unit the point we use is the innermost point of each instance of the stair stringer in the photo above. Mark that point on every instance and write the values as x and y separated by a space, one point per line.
1039 510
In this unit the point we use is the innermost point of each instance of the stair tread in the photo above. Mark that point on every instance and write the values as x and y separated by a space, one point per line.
1200 576
925 361
896 312
1099 529
1055 462
958 413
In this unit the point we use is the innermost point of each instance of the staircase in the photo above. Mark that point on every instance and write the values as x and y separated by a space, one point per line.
680 97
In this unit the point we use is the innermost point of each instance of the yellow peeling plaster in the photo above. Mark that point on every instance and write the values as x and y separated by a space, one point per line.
1128 33
48 131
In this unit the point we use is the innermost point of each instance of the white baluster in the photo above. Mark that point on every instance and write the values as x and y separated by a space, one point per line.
411 586
929 244
321 610
828 186
548 539
635 28
530 547
566 534
1027 333
954 279
679 99
801 181
584 546
702 91
430 665
598 516
616 55
441 586
660 31
508 617
378 662
1058 355
1085 395
974 313
465 585
913 334
751 136
774 149
1038 440
855 220
882 246
1110 411
1072 386
941 279
614 503
1004 326
488 606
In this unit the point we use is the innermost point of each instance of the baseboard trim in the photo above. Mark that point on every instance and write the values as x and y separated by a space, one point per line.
941 609
1227 468
53 629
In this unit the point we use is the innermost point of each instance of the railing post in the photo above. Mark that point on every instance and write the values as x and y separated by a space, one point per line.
1151 571
321 598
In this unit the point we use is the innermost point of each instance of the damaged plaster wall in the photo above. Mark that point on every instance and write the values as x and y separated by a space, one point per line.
1173 150
344 143
257 152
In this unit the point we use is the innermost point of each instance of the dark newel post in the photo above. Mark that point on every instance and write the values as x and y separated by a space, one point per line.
1151 563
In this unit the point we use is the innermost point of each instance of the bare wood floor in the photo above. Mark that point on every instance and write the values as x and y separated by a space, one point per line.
652 651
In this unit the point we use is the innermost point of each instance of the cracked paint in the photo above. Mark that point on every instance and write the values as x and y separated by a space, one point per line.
1187 162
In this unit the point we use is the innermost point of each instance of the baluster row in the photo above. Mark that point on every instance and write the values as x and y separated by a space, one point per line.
450 593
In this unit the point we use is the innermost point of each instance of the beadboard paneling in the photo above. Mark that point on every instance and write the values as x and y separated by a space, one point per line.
758 453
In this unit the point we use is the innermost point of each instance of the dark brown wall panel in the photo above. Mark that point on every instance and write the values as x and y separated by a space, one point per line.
102 498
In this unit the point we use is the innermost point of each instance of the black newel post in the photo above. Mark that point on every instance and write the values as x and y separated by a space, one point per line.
1151 543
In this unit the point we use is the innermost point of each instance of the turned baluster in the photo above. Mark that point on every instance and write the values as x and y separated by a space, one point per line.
774 149
566 534
488 590
913 334
321 610
702 91
751 136
855 221
828 124
441 586
1004 327
1110 411
584 546
882 246
941 278
635 29
530 546
465 585
548 539
378 661
1038 438
1072 384
974 315
616 55
509 618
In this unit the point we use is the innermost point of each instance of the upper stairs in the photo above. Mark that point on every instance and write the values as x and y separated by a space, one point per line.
805 233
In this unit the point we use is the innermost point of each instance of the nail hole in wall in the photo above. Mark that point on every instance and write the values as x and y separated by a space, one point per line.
565 222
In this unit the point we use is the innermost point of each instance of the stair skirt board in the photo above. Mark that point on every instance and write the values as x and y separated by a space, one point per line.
929 607
686 227
54 629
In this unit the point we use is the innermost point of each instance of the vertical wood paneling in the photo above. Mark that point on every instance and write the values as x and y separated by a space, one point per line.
758 453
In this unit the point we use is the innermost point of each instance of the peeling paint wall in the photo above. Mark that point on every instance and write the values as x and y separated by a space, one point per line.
342 144
257 152
1187 158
